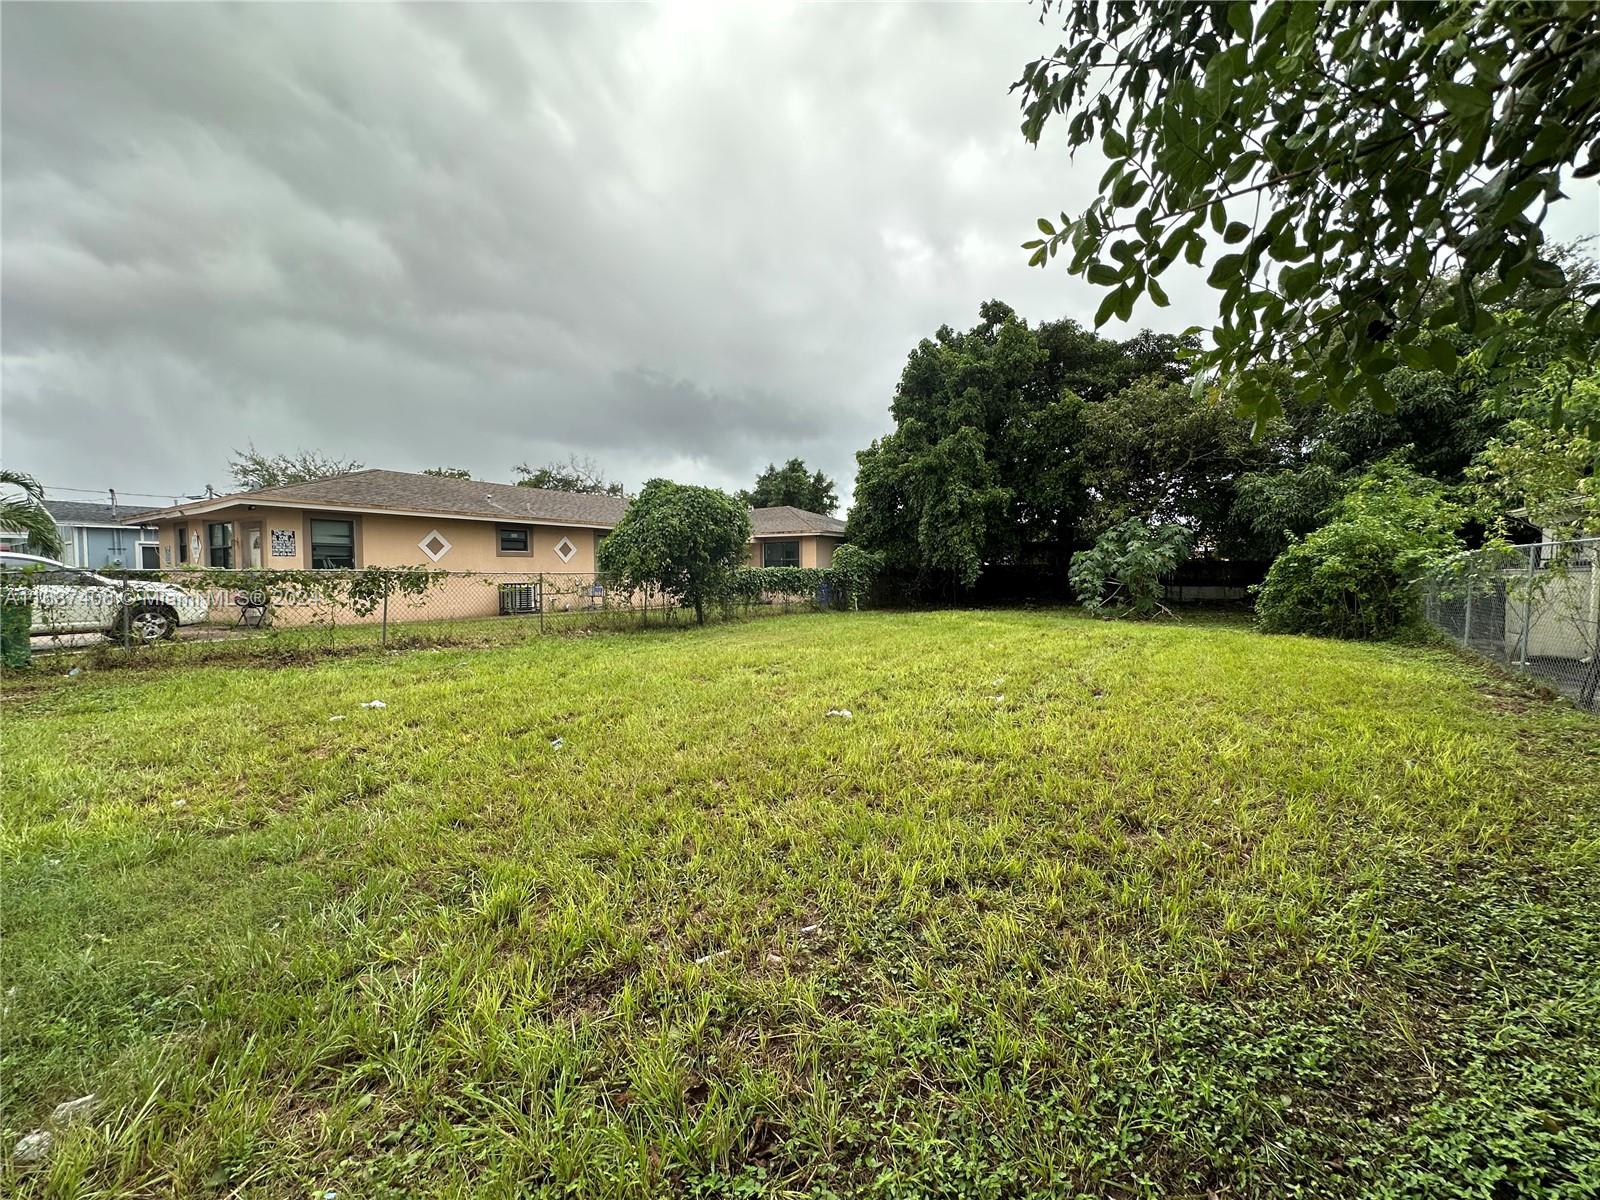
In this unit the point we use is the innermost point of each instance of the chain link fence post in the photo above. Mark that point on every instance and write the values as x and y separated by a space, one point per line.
541 602
127 616
1527 607
383 636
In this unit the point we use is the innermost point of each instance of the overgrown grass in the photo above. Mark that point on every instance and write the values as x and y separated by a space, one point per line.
1168 909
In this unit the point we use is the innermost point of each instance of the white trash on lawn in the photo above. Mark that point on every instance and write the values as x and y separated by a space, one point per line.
374 704
31 1147
843 713
71 1110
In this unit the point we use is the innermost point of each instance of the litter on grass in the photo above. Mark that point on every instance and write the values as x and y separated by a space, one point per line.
374 704
71 1110
557 742
845 713
337 717
32 1147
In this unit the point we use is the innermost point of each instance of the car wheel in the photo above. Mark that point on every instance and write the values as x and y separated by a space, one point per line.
147 623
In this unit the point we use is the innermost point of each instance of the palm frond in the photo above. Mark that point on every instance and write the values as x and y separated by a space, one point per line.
26 513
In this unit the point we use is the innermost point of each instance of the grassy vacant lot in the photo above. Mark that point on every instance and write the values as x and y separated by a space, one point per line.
1067 906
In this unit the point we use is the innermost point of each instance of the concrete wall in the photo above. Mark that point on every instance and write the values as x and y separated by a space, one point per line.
1566 614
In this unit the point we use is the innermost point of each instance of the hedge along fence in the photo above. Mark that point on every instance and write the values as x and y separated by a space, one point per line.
840 585
16 616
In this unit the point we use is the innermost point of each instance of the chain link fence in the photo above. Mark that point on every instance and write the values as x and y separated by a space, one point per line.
1533 609
212 613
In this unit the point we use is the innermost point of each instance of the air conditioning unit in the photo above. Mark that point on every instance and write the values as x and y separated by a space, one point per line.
518 598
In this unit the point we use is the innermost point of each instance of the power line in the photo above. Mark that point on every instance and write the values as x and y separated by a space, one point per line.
50 487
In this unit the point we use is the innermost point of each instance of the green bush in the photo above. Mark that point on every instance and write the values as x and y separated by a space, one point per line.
16 617
847 579
1123 572
1355 577
750 584
853 571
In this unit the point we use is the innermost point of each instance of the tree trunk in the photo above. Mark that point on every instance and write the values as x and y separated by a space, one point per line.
699 610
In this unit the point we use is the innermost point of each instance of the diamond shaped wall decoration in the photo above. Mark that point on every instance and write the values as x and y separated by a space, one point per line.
565 550
435 545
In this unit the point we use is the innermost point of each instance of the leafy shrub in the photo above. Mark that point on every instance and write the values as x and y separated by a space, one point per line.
1355 577
853 571
16 616
1124 569
750 584
849 576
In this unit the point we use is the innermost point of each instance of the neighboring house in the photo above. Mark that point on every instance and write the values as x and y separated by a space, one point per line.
394 518
97 536
388 519
792 537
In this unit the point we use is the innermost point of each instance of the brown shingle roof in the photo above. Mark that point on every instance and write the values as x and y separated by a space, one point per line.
789 519
402 491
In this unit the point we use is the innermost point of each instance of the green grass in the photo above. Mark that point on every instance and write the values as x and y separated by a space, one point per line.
1067 906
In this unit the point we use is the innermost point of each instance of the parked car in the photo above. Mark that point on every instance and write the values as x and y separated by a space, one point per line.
70 600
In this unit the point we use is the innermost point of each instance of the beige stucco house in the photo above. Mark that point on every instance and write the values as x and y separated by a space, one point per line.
394 518
793 537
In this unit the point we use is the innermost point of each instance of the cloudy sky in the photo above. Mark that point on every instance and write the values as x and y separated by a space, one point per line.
683 241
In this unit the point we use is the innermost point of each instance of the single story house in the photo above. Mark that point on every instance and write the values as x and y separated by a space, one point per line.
395 518
792 537
97 536
388 519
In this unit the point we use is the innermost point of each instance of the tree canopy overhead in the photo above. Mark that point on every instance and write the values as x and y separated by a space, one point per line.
1332 162
793 484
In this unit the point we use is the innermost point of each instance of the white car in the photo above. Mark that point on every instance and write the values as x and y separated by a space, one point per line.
72 600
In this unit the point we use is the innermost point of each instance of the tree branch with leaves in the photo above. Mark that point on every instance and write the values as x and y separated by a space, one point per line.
1383 147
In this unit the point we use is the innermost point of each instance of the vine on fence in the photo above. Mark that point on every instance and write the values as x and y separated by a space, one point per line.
360 591
846 580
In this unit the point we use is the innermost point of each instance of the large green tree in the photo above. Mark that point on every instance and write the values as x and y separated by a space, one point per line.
793 484
985 463
1344 159
682 540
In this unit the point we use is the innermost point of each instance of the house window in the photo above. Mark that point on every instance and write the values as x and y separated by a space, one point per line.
513 541
333 545
780 554
219 545
182 536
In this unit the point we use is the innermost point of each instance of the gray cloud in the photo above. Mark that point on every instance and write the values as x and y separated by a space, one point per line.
682 240
678 240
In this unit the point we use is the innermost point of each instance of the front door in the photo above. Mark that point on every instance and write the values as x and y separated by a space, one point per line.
252 546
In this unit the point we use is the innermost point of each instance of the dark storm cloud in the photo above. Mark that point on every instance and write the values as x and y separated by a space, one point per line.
679 240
